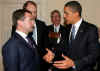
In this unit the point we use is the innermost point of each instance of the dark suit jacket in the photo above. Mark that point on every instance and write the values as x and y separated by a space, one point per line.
41 34
98 59
84 47
19 56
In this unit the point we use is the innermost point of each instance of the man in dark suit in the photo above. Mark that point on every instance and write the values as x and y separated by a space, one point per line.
83 41
19 53
40 29
98 61
56 40
39 32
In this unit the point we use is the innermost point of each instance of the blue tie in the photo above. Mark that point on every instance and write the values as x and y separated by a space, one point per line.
30 42
55 29
72 33
72 36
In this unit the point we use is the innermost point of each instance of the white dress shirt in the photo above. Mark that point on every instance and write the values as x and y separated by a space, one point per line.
35 33
76 25
57 28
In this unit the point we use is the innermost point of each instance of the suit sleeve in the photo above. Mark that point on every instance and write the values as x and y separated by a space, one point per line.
92 55
10 57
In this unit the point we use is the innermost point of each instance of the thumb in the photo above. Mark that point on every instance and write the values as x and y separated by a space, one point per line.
65 57
47 49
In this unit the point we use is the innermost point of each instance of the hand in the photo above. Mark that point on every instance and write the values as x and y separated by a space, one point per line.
49 56
64 64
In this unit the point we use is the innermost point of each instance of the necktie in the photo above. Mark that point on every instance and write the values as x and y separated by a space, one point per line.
32 45
30 42
55 29
72 36
72 33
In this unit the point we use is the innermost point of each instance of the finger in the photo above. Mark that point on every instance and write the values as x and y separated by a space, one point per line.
59 62
59 65
65 57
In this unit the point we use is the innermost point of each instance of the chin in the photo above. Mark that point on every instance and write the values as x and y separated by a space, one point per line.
31 30
67 23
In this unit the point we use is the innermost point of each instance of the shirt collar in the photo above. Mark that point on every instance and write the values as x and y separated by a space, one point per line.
57 27
21 34
77 24
34 24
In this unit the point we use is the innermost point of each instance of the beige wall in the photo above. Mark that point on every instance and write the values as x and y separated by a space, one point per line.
91 10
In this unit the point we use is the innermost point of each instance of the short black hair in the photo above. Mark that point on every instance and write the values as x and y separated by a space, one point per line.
19 15
55 11
75 5
27 2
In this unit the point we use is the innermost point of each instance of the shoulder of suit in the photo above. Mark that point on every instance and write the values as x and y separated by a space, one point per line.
50 26
89 25
11 43
63 26
40 22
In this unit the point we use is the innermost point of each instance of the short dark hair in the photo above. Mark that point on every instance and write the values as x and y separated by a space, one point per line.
75 5
19 15
55 11
27 2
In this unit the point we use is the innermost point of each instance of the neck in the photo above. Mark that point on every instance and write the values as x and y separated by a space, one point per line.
56 25
19 29
76 20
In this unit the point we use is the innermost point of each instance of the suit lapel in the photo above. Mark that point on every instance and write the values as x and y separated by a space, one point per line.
60 29
80 31
52 28
22 40
62 33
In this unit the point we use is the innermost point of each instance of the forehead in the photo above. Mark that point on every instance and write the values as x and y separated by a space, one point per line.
55 13
31 6
28 15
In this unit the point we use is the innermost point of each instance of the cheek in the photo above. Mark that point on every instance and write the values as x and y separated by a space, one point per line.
34 15
28 25
58 18
69 18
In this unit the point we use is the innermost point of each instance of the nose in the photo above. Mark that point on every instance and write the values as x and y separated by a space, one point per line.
32 22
